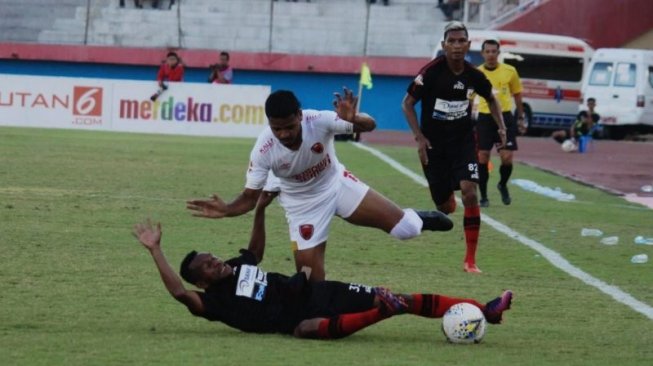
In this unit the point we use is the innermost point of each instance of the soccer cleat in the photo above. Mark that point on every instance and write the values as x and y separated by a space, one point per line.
484 202
435 221
471 268
391 304
505 195
494 309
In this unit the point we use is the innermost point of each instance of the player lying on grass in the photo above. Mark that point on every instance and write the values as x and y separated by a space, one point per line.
239 294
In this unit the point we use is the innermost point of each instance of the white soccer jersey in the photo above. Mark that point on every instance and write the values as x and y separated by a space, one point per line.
310 170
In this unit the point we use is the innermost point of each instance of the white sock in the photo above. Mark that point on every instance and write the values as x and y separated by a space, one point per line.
409 226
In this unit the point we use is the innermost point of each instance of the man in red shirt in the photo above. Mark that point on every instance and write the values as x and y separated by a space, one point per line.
171 70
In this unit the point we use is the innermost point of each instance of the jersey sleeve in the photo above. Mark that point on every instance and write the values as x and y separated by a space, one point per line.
416 90
161 74
515 83
257 172
333 123
482 85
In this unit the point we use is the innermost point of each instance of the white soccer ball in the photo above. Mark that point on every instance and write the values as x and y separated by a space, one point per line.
569 146
464 323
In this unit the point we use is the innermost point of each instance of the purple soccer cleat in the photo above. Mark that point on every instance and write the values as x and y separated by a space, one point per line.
391 304
495 308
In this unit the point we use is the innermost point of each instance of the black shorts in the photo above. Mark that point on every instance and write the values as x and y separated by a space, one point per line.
488 132
325 300
330 298
451 161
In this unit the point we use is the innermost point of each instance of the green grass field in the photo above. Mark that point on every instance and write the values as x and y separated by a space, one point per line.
77 289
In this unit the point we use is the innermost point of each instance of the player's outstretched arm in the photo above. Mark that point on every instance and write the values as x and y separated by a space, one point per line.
257 240
216 208
345 107
150 236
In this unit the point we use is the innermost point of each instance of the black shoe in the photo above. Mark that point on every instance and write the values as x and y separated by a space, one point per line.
484 202
505 196
435 221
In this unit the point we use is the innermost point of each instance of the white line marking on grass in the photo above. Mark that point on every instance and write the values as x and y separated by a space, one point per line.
552 256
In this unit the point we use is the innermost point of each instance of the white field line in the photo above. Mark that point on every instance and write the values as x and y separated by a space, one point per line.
552 256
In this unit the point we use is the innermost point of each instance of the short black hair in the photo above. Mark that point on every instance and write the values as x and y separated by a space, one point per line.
281 104
186 273
455 26
591 100
174 54
225 53
492 42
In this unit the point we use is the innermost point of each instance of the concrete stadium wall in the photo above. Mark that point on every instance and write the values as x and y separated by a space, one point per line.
603 23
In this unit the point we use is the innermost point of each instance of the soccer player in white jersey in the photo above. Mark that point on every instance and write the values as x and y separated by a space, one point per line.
298 148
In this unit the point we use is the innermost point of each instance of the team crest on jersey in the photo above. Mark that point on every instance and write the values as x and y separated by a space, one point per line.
317 148
306 231
459 85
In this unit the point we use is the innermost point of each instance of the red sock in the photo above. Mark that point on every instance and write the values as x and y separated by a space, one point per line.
434 306
471 225
343 325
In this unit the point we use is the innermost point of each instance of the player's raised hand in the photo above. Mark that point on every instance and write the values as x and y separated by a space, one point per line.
147 234
345 106
213 208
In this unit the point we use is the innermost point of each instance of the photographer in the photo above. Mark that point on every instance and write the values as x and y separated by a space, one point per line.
221 73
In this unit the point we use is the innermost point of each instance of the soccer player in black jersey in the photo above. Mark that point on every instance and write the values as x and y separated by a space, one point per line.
446 137
241 295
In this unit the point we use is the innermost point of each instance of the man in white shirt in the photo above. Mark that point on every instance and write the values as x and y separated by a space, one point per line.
297 148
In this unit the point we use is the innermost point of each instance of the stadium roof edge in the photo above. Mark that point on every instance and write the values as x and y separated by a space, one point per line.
395 66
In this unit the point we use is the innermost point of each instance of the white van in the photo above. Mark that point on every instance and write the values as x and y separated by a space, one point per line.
621 81
551 68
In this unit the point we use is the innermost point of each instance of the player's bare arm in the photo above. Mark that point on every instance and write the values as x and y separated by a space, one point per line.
216 208
495 109
257 239
150 237
345 107
408 106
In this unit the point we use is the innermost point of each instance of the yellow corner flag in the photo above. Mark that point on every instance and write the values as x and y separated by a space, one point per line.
366 76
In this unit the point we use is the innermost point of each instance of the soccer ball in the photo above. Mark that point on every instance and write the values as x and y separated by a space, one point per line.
464 323
569 146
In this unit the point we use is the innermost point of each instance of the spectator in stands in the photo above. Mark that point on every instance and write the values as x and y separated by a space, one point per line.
222 73
171 69
385 2
137 4
155 4
448 7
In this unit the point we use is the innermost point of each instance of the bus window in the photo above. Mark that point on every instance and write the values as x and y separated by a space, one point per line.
547 67
601 74
625 74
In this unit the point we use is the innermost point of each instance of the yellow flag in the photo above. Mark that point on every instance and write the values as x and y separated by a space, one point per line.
366 76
